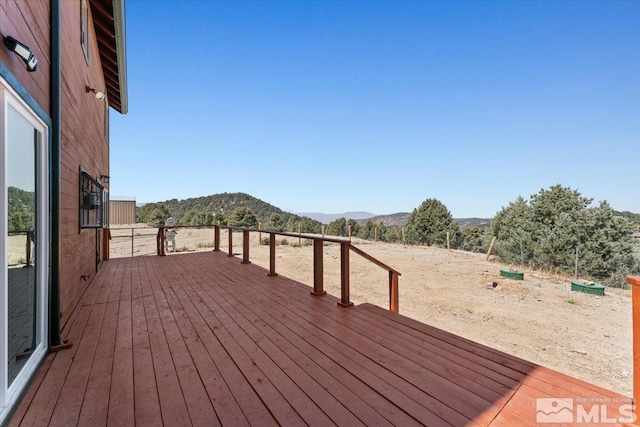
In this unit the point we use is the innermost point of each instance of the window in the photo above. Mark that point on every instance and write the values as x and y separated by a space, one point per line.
24 247
91 201
84 28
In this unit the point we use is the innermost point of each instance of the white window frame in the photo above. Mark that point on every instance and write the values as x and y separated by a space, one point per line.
9 395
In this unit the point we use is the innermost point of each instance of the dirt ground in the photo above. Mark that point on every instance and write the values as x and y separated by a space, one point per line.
538 319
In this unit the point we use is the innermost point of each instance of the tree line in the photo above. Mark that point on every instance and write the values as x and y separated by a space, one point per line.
234 209
541 232
550 230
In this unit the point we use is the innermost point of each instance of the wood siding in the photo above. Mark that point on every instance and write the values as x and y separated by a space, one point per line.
122 212
84 144
29 23
84 140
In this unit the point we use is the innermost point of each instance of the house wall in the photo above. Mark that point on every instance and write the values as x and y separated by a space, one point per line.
122 212
84 144
84 139
28 22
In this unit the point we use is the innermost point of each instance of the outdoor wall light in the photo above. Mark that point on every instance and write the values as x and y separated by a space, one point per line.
98 94
104 179
22 51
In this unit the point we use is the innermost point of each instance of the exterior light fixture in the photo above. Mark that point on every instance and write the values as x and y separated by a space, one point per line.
104 179
22 51
98 94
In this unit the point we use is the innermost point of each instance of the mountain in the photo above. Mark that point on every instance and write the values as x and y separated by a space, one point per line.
400 220
327 218
471 222
392 220
223 204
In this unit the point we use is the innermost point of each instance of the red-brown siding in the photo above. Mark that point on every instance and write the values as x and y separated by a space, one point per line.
84 144
28 22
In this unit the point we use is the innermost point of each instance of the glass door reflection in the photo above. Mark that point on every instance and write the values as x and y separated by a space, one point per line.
22 140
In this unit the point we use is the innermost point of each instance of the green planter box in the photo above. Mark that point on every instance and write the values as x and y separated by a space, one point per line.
512 274
587 288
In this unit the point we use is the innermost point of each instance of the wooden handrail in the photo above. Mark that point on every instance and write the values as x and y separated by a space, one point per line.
394 302
373 260
318 264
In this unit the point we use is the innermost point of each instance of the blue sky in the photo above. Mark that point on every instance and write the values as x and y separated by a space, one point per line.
377 106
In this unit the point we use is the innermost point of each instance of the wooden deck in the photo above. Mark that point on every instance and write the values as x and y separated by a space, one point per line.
200 339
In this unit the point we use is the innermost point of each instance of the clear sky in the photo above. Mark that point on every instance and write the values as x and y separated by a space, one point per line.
376 106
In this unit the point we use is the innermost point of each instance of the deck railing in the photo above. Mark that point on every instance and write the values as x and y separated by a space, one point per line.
318 263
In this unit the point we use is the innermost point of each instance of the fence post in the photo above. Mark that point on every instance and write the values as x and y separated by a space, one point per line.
299 238
272 255
230 242
634 281
375 235
448 246
318 268
259 234
493 242
394 300
216 238
245 247
344 275
323 231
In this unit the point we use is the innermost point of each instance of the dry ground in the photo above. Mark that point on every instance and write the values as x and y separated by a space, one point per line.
589 338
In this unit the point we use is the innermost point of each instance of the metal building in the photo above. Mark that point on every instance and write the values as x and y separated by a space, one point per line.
122 210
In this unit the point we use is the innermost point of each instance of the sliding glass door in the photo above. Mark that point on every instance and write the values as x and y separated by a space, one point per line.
23 243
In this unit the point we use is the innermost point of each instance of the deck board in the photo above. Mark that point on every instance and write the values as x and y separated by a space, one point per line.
200 339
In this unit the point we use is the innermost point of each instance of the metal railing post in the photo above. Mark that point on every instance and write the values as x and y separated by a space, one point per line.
272 255
230 231
216 238
318 268
344 275
245 247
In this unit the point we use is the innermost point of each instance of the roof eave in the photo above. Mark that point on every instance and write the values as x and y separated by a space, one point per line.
119 19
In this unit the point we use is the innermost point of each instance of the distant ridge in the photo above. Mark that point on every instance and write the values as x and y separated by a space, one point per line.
327 218
392 220
400 220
